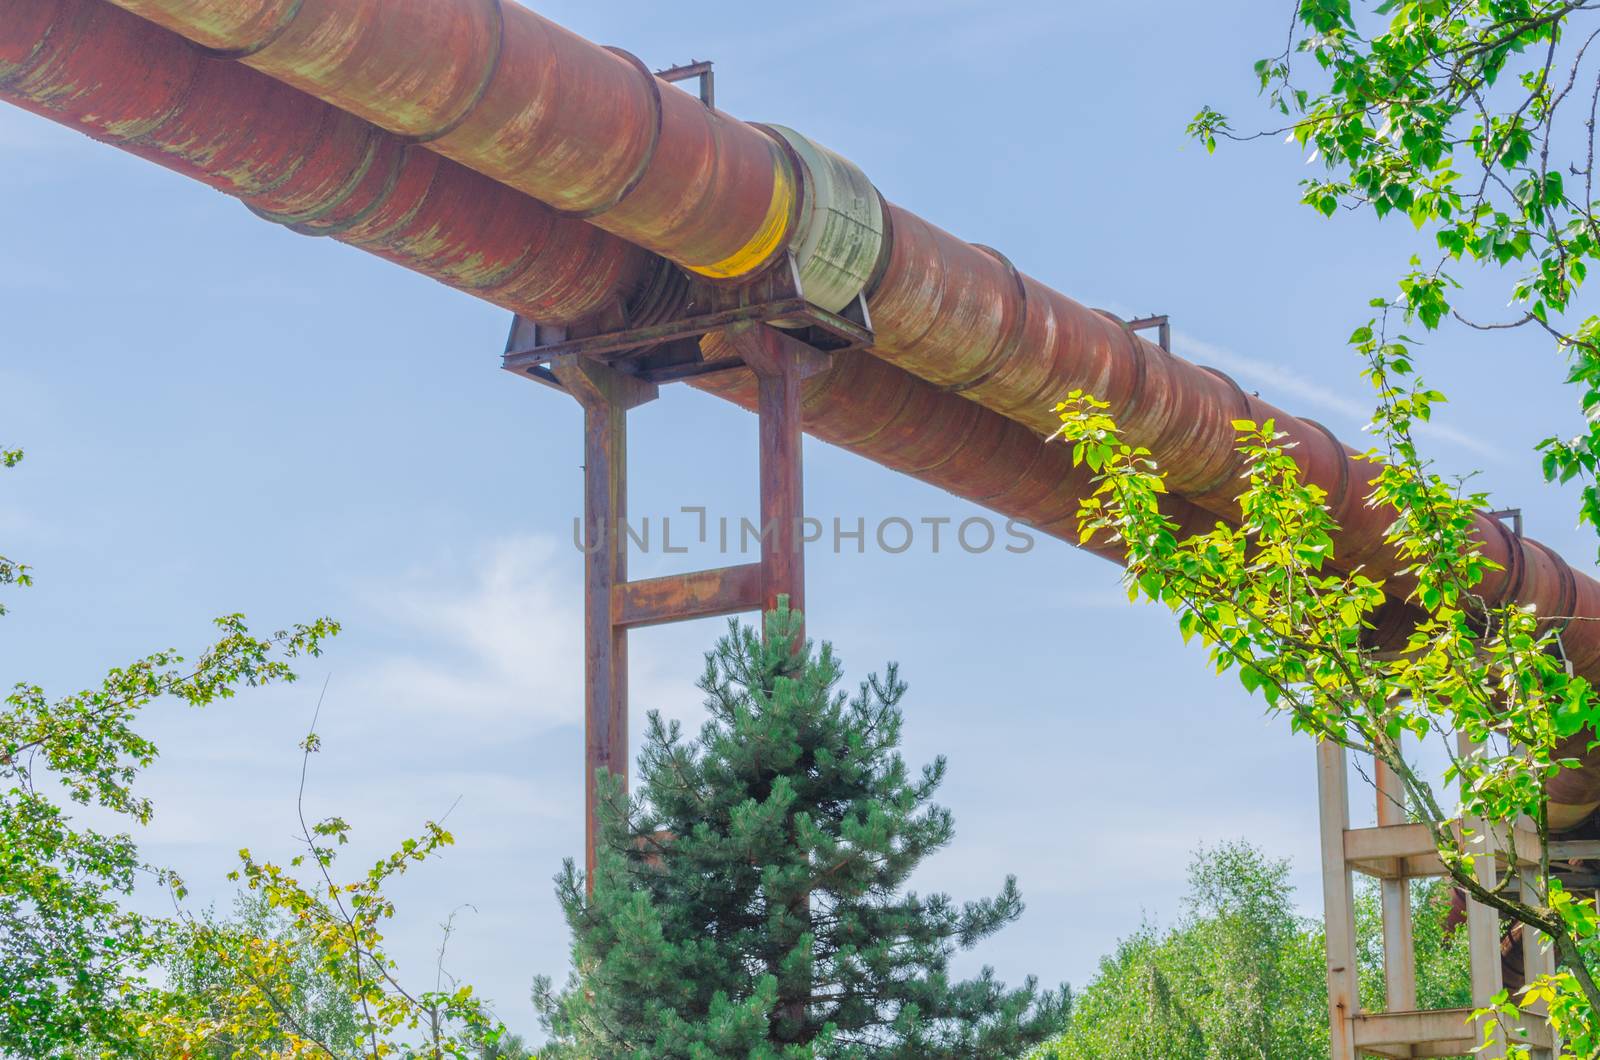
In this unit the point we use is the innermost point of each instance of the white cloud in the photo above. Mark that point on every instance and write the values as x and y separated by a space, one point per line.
498 647
504 644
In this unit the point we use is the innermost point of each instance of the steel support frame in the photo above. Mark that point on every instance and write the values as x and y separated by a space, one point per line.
612 603
1395 852
669 350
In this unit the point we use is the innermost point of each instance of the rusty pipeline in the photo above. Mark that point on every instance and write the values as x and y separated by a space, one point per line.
93 67
970 353
966 319
302 162
589 131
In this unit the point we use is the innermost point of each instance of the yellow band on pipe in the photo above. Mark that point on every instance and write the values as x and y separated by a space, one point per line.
773 231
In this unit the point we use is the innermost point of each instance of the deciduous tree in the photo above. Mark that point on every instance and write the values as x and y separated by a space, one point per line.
84 973
1240 976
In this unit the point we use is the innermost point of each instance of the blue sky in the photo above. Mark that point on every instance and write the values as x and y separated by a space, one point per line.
220 415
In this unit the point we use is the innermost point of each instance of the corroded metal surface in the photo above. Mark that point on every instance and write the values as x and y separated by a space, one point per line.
606 397
840 234
976 352
587 129
301 162
698 594
522 100
80 63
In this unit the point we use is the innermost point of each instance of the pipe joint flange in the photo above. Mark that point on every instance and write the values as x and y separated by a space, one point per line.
1340 493
298 221
261 43
1137 351
647 156
839 235
1223 475
1567 603
497 49
1516 564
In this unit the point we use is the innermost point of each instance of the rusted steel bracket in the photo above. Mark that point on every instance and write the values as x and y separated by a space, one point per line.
661 351
1159 323
680 597
612 604
1162 327
1509 517
700 70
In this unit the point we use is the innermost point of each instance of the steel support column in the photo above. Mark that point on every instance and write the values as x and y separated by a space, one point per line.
606 396
1394 852
780 364
1338 902
612 604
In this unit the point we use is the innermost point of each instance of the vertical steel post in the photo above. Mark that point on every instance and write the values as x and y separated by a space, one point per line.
1338 903
1483 922
780 363
782 485
1537 959
1399 947
606 396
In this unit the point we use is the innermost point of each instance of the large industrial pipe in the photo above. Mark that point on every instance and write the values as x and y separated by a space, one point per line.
588 130
127 82
301 162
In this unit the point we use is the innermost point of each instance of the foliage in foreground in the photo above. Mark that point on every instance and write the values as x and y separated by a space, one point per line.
751 901
1241 975
1270 604
307 997
84 974
1476 121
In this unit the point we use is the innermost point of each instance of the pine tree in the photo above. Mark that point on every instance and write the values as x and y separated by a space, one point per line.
750 901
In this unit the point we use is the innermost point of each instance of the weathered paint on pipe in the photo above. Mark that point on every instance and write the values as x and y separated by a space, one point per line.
80 63
514 96
839 237
522 100
95 68
964 318
959 315
300 161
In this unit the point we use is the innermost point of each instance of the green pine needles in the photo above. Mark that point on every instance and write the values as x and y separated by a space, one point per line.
750 900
